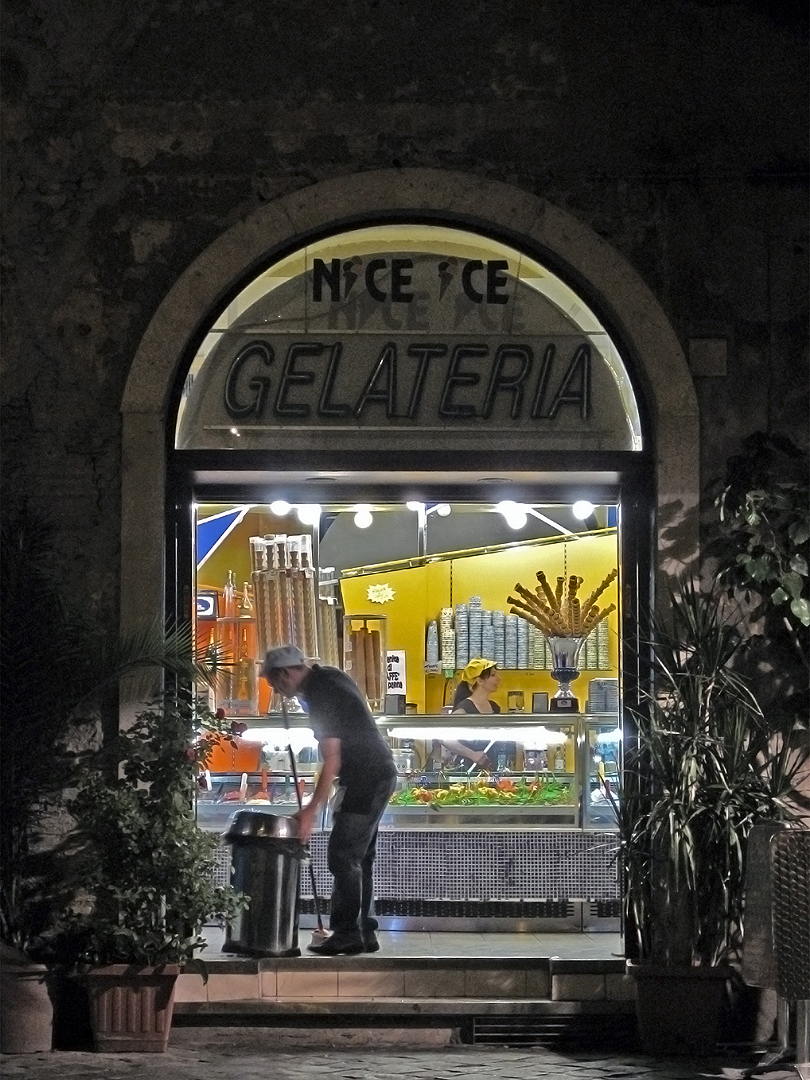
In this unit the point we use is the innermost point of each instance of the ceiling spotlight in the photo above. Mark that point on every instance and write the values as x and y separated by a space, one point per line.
442 509
309 513
363 517
582 509
514 513
516 519
280 508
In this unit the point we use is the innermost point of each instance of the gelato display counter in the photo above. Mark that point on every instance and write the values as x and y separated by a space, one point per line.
530 844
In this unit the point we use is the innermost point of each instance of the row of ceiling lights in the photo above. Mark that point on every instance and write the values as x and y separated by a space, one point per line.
515 514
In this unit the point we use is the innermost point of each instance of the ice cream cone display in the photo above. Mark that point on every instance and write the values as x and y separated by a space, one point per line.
284 588
327 631
565 622
559 612
302 590
364 655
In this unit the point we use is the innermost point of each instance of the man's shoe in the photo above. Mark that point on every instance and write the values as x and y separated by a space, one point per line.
370 943
335 946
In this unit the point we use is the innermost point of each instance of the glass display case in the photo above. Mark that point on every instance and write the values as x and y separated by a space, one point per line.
603 769
526 777
501 771
256 769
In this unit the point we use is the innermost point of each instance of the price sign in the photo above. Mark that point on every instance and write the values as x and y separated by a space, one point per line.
396 673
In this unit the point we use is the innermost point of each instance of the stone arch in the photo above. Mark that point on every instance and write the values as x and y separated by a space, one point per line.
638 320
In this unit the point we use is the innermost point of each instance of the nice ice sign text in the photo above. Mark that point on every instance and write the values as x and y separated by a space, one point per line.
328 377
481 282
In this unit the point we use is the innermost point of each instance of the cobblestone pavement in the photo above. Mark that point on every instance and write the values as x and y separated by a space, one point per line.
259 1054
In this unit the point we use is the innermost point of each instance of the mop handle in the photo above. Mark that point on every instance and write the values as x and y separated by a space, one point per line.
301 807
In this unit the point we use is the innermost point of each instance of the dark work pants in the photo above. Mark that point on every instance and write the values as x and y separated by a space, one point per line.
351 852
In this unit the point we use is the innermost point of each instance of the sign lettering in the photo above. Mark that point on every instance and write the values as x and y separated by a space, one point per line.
396 672
482 282
468 379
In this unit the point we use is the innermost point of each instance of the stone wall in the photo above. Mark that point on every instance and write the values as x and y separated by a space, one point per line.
137 132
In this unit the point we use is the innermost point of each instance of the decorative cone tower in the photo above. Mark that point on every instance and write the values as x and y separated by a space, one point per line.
565 622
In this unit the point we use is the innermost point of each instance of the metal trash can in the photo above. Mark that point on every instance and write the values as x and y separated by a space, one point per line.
266 857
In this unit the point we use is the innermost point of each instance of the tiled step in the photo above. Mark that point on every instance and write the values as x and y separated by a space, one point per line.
391 986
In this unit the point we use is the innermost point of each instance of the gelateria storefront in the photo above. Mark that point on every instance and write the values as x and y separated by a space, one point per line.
425 335
403 445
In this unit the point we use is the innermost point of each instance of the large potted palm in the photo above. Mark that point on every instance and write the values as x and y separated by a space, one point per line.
701 771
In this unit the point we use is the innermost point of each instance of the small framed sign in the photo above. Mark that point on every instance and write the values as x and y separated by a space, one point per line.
540 702
564 704
206 604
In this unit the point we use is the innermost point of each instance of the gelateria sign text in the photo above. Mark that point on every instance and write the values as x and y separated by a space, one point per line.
406 381
397 338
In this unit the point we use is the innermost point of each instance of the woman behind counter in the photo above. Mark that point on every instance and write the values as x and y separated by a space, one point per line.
479 679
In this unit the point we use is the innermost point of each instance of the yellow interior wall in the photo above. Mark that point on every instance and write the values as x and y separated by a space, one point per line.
406 616
421 592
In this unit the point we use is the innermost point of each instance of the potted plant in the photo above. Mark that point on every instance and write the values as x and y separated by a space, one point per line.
759 546
700 772
148 869
60 673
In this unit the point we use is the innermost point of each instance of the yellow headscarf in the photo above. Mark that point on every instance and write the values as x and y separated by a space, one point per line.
475 669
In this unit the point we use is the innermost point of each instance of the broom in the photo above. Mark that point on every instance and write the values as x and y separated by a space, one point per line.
321 933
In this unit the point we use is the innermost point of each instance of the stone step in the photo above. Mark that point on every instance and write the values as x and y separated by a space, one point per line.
398 1007
430 986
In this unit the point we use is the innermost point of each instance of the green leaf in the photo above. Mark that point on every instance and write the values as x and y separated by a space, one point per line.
793 583
799 564
760 568
779 596
801 609
799 532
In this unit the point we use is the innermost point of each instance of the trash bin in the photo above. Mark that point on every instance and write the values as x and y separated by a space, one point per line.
266 857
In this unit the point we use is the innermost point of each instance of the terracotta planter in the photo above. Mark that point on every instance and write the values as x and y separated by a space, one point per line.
131 1008
26 1010
681 1010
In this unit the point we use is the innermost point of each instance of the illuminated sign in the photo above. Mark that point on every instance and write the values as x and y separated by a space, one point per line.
461 380
416 328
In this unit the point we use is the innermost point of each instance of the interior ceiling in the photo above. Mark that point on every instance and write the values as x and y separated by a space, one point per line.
403 478
377 486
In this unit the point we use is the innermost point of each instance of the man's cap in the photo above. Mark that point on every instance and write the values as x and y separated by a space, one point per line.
476 668
281 657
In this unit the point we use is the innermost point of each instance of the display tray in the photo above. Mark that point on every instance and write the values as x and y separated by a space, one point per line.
517 774
473 811
472 818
